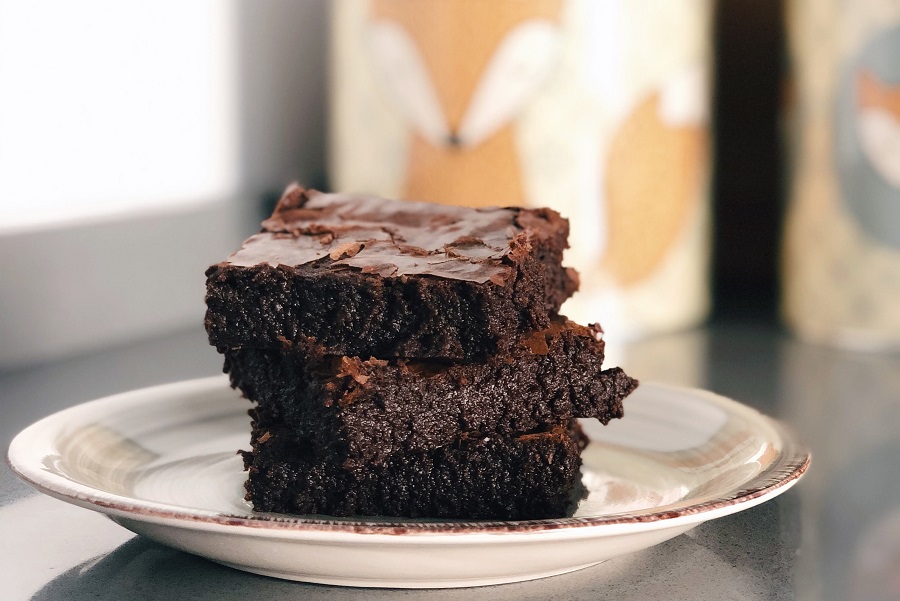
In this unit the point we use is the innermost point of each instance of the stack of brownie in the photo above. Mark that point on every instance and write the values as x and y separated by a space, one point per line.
407 359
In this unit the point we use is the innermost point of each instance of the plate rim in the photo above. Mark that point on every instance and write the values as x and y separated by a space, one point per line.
792 463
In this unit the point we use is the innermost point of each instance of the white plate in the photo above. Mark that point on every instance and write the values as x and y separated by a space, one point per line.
162 462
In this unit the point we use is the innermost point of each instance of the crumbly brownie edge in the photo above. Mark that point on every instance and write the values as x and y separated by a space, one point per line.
535 476
354 312
551 240
351 313
365 411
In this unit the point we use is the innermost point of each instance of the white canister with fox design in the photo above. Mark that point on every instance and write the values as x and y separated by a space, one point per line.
841 273
597 109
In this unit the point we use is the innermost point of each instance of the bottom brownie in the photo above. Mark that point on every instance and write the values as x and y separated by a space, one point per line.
530 476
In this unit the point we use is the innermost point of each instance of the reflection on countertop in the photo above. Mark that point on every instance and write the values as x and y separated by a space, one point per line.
846 405
836 536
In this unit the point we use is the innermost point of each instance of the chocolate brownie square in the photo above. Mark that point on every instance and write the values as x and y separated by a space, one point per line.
361 412
478 476
370 277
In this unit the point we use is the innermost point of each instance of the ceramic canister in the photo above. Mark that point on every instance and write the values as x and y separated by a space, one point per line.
597 109
841 270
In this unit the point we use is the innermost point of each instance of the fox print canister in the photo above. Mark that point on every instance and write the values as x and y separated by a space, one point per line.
842 245
599 109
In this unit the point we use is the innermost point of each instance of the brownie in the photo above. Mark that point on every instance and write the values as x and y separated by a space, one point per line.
407 359
371 277
362 412
478 476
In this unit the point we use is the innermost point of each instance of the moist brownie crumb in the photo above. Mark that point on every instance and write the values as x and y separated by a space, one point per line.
479 476
366 276
360 412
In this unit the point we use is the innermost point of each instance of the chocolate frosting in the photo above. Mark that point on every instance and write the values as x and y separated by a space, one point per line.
390 238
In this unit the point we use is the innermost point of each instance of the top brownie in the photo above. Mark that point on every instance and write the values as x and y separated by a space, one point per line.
366 276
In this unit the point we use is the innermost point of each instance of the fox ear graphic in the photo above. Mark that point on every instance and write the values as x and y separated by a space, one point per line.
654 175
407 80
872 92
878 125
522 63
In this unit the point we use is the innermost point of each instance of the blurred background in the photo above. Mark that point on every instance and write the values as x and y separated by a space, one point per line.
714 156
140 142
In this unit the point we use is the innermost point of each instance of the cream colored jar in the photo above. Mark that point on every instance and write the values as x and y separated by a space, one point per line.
841 271
597 109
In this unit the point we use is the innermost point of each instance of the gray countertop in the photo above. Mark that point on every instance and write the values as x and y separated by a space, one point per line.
834 536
